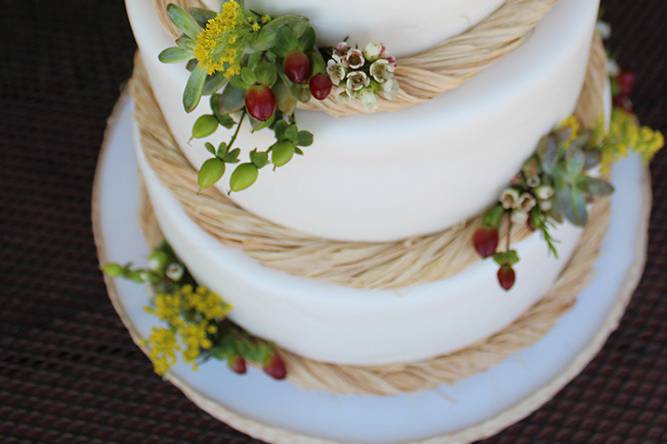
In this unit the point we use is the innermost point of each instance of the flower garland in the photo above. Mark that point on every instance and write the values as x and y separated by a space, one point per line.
561 179
259 67
194 320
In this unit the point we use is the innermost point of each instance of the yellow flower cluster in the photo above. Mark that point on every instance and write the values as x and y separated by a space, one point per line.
162 346
219 47
625 135
574 126
192 315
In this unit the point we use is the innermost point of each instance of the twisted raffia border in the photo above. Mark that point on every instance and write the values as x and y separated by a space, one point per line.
386 380
360 265
440 69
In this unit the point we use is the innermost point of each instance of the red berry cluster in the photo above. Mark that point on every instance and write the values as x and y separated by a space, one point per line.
260 101
624 85
486 240
275 367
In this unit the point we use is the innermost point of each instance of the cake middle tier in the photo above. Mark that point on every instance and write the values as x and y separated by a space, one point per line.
336 324
391 176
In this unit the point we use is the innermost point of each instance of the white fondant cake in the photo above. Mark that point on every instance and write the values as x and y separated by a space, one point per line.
337 324
430 23
383 177
391 176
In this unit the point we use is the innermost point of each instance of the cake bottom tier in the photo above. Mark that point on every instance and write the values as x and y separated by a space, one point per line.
327 323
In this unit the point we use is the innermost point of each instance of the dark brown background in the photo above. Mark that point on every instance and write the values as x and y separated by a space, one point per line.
69 372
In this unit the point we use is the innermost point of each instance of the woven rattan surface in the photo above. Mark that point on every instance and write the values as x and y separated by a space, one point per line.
68 370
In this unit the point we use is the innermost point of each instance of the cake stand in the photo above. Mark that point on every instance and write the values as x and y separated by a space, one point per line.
471 409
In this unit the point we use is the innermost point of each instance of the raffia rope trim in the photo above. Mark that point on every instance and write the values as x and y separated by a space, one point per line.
360 265
447 369
443 68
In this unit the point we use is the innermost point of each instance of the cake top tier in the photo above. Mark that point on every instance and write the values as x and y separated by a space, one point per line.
404 27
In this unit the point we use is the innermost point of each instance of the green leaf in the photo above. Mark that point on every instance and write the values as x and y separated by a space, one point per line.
260 125
547 151
183 21
280 128
186 43
214 83
282 153
210 148
266 74
204 126
304 138
575 160
175 55
194 89
224 118
222 150
243 177
232 100
202 16
301 92
298 151
292 134
596 187
259 158
572 204
211 172
318 63
494 217
285 100
510 258
286 41
113 270
248 76
267 37
192 64
307 39
233 156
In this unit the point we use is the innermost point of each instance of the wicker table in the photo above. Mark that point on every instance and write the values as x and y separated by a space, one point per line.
68 370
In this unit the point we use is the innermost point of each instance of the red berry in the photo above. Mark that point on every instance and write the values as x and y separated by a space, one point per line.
486 241
624 102
297 67
260 102
626 82
276 368
506 277
238 365
320 86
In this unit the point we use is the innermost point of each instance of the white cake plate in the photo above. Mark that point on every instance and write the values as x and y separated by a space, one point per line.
471 409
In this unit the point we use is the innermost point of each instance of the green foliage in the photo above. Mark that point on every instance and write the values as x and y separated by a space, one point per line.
183 21
265 47
223 340
175 55
194 89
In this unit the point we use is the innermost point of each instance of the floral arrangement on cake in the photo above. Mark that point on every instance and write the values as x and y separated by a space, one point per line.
257 67
565 175
194 320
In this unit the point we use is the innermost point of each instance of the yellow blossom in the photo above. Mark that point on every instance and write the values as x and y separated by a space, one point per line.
162 347
219 47
256 27
625 135
265 19
572 124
